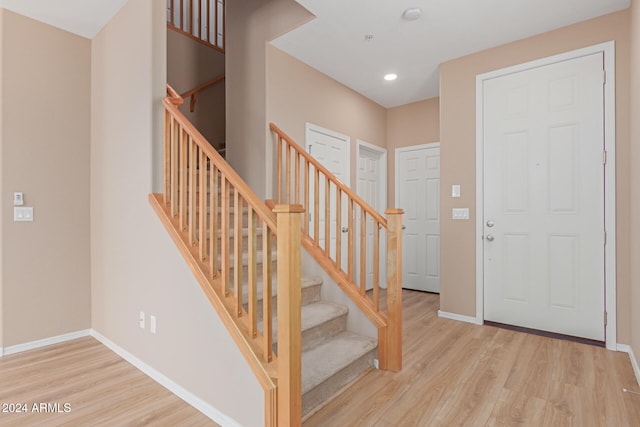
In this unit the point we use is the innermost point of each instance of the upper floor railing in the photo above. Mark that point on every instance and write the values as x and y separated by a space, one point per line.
201 20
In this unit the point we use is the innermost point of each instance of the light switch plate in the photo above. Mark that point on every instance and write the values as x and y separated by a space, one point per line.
18 199
455 190
22 214
460 213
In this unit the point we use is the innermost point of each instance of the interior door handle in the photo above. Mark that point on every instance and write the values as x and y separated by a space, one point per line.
345 230
404 227
490 223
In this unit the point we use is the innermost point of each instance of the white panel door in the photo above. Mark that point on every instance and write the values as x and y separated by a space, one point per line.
544 198
331 149
418 189
371 187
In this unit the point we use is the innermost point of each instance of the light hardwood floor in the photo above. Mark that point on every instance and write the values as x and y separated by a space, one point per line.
458 374
100 388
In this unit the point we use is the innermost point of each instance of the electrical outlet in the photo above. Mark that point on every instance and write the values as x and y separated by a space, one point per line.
152 324
141 319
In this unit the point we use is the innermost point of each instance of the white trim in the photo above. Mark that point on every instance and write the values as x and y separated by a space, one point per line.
624 348
397 167
382 153
19 348
167 383
458 317
608 50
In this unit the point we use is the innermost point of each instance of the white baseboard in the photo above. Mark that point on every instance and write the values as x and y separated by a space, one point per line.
459 317
634 362
19 348
169 384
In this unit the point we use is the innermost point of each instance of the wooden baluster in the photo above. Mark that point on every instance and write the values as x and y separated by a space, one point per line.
307 178
297 178
390 338
167 156
376 265
316 205
327 216
193 171
289 315
267 295
224 235
183 179
280 177
338 227
175 148
202 198
252 276
288 169
237 250
182 15
191 18
215 24
199 19
214 201
363 251
351 243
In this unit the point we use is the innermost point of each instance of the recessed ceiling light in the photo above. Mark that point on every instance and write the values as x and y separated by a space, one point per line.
412 13
389 77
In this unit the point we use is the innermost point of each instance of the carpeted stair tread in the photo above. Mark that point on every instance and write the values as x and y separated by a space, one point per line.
330 357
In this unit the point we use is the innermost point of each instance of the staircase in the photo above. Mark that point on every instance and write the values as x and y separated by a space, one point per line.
246 256
332 356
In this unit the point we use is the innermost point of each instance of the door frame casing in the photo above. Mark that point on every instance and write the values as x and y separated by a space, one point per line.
382 153
608 50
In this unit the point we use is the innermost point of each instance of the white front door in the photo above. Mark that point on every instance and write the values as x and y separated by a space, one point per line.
418 193
331 149
371 178
544 195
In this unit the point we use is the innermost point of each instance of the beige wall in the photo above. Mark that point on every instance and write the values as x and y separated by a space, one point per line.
635 178
135 265
407 125
297 94
45 154
457 134
250 23
190 64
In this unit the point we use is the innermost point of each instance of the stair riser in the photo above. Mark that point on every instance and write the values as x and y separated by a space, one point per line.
314 336
310 295
335 383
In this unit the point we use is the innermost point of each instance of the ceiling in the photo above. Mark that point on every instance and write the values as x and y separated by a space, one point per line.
82 17
334 43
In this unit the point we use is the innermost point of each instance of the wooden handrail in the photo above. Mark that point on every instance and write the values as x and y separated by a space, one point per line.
194 92
302 179
227 236
193 18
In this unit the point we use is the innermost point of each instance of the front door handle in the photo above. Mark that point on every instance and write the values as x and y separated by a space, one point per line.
489 238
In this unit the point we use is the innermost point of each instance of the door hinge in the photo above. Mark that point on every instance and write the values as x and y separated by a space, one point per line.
310 149
604 77
605 237
604 157
605 318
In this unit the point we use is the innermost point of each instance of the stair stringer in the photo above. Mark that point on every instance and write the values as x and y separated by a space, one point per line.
357 321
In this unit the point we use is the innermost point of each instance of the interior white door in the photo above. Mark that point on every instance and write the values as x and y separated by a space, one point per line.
544 198
371 187
331 149
418 189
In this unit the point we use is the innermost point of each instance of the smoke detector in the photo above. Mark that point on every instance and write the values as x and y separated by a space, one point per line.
412 13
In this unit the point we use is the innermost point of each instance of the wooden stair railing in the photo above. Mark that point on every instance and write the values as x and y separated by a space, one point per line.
200 20
205 206
303 180
193 93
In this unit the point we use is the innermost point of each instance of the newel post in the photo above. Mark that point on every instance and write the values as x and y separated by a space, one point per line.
289 314
394 290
